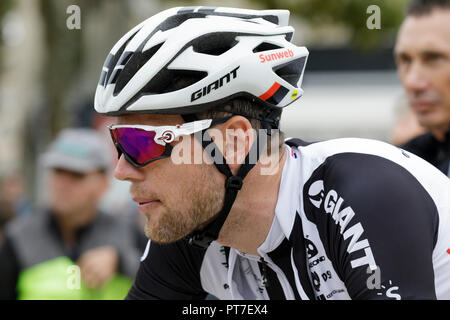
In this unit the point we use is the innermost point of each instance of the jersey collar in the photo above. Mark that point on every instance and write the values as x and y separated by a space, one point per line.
288 203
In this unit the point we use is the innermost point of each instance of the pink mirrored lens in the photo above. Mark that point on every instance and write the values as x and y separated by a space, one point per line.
138 144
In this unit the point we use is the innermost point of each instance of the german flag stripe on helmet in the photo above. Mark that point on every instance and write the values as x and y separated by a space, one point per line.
275 94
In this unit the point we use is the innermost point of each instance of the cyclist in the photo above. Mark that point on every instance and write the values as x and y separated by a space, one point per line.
339 219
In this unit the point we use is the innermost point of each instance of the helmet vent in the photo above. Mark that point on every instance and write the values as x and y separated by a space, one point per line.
168 80
215 44
111 61
176 20
265 46
132 64
291 71
289 36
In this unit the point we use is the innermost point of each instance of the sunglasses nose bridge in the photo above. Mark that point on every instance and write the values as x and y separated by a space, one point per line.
121 152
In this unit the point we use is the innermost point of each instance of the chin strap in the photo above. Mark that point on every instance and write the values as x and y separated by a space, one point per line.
233 183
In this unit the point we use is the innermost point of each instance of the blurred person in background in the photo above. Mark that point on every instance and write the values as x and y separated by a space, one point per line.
422 53
38 255
116 200
6 214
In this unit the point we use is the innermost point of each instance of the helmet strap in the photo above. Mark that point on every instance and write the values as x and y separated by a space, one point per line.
233 183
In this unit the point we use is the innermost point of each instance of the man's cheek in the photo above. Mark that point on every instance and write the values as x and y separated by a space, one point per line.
447 92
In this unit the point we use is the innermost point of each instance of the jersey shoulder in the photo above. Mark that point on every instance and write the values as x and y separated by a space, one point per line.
354 150
369 202
372 165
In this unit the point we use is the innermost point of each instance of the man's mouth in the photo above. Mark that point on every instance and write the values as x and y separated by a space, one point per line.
143 203
422 105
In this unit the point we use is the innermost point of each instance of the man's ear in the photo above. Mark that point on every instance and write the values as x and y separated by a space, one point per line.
238 136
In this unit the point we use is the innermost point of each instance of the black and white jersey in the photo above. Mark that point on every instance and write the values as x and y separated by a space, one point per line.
355 219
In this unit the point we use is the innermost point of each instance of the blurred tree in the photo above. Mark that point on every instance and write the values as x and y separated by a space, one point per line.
66 52
350 14
5 6
67 56
62 60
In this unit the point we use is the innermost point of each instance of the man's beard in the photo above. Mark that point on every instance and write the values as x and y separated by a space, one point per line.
202 203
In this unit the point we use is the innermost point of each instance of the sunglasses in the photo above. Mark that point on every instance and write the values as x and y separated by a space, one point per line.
142 144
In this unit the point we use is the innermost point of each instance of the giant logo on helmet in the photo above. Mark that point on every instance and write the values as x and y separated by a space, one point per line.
214 85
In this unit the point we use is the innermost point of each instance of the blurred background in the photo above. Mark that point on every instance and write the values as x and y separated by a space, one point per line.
48 73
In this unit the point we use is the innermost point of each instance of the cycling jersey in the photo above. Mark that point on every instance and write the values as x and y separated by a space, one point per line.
355 219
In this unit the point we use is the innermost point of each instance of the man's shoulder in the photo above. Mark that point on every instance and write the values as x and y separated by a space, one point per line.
420 144
342 164
375 180
340 145
367 161
317 153
176 254
25 225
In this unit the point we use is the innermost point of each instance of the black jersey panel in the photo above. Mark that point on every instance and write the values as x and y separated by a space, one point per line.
371 212
299 253
169 272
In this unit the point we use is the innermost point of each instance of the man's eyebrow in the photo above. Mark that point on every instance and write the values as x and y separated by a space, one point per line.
401 53
431 52
424 53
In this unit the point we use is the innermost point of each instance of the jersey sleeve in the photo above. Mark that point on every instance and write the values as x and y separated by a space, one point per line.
380 227
169 272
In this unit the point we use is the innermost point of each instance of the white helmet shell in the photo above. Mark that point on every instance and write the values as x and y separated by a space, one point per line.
223 52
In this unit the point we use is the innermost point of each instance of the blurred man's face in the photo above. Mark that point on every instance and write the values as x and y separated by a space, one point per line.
74 193
422 54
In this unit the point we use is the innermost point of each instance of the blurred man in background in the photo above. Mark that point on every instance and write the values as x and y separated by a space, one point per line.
71 250
6 214
422 53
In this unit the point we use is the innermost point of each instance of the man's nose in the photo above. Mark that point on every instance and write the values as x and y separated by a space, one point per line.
125 171
416 78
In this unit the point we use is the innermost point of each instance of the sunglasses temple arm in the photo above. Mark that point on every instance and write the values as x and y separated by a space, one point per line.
220 120
203 124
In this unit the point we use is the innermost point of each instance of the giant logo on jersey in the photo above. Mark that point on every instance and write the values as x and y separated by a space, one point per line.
311 249
315 280
316 193
332 204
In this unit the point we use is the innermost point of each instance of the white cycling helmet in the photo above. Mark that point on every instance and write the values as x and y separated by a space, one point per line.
222 53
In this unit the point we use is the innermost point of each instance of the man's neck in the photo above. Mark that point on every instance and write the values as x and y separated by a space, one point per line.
70 223
440 133
251 216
